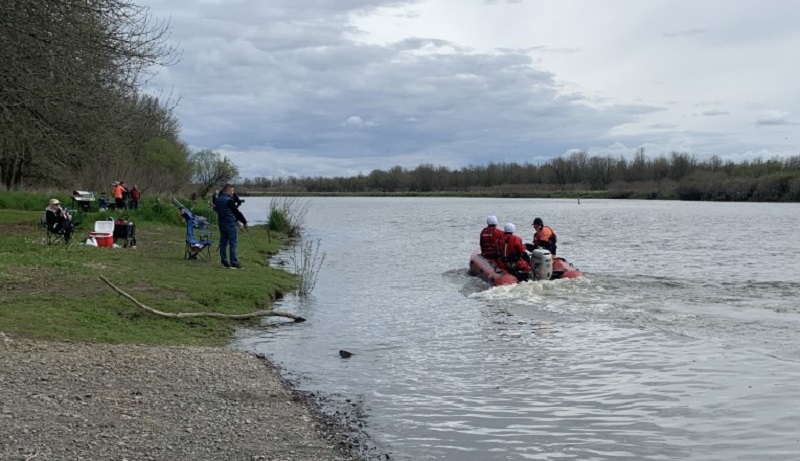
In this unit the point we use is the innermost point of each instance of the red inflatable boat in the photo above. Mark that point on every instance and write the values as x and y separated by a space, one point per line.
545 267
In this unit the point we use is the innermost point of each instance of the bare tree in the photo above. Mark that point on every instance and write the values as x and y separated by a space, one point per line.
211 168
71 75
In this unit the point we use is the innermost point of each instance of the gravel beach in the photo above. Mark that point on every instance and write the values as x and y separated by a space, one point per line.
75 401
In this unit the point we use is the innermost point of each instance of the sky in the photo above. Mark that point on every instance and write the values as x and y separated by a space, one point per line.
342 87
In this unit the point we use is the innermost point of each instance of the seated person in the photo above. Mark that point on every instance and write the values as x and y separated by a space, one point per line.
103 203
544 237
489 237
58 220
512 254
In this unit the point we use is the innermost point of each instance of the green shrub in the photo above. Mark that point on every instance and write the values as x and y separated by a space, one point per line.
29 201
277 221
287 215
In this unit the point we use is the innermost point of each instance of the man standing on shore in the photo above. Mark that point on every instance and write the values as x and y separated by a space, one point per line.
229 218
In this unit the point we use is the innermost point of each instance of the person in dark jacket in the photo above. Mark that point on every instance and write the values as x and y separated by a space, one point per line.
238 201
135 195
103 203
58 220
490 235
229 218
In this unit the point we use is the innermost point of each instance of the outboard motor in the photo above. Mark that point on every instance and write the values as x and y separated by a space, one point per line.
542 262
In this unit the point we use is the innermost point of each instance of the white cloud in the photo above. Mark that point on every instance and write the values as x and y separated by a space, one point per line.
773 118
357 121
353 85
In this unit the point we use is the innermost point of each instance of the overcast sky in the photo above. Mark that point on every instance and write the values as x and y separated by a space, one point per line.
338 87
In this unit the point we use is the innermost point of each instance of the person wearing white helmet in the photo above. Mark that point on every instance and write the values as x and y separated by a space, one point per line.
490 235
513 256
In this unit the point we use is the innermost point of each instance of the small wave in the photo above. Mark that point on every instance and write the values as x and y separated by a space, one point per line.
536 291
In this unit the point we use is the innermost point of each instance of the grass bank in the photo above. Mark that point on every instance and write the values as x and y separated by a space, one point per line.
54 291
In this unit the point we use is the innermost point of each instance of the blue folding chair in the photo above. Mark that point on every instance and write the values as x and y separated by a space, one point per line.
198 241
200 222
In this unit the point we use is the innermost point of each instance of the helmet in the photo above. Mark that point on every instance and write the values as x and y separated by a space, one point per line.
509 228
538 222
491 220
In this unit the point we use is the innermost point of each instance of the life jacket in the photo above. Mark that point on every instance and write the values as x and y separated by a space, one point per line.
510 249
489 238
545 238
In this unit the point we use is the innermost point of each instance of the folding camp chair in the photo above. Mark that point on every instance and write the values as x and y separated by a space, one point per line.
50 236
198 241
200 222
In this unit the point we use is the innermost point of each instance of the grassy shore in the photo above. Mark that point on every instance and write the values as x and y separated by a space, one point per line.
54 291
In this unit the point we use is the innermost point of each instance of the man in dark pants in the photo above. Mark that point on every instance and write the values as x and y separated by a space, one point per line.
229 217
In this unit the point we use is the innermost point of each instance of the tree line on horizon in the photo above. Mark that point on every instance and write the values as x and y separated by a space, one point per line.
679 176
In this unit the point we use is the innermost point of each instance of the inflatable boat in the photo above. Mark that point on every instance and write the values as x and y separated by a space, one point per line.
545 267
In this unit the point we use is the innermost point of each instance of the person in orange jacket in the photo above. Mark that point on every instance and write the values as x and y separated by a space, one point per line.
490 235
544 237
513 256
119 198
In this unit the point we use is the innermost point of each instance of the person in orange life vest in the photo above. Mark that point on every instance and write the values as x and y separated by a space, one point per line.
490 235
513 256
118 191
544 237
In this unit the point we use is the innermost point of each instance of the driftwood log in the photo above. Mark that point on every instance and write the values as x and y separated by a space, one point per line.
216 315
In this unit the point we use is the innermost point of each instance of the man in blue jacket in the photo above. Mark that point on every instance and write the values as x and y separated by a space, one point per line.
229 218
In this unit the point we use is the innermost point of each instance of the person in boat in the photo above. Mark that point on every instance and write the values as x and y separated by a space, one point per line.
490 235
513 256
544 237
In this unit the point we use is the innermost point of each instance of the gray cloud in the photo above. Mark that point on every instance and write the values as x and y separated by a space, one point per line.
636 109
773 118
662 126
286 87
714 113
684 33
303 87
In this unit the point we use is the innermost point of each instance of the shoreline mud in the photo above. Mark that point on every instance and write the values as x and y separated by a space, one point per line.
79 401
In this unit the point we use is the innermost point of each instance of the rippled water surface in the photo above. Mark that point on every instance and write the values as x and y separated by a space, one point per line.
683 341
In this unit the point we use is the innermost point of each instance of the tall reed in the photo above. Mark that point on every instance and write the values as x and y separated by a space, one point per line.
287 215
307 261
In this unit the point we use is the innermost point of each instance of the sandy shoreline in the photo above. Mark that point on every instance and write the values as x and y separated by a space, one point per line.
65 400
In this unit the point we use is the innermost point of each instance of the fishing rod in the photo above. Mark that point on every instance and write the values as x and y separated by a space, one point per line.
253 240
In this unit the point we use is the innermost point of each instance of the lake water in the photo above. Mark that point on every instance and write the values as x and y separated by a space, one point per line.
682 342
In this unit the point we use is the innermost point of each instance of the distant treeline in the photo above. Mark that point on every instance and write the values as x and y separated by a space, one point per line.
678 176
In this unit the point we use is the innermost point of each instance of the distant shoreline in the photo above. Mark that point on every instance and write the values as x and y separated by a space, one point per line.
572 195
